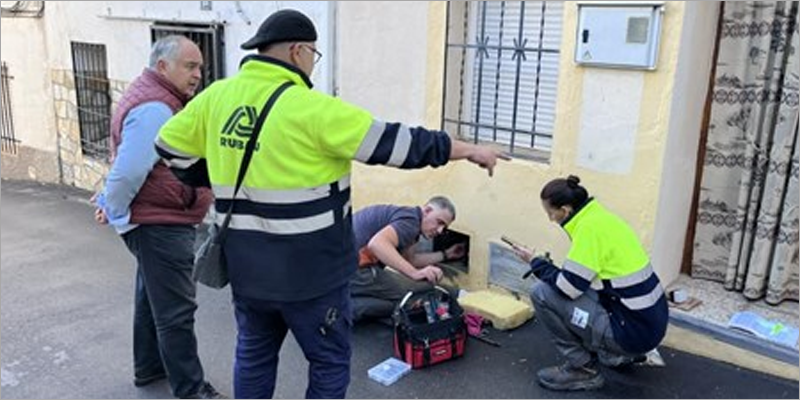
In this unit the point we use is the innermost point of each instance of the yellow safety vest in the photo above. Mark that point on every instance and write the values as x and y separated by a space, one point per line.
290 234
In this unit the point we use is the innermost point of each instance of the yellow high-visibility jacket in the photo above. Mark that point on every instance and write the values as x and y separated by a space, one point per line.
290 236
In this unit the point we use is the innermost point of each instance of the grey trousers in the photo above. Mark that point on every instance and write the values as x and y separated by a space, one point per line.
375 291
580 327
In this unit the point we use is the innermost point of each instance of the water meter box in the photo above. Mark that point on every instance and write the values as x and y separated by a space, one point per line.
617 34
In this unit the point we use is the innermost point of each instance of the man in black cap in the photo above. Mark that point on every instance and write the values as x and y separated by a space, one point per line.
290 246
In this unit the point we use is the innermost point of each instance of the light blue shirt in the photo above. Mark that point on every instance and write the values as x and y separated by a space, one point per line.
136 157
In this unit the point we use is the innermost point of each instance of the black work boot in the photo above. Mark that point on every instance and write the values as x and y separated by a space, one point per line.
566 377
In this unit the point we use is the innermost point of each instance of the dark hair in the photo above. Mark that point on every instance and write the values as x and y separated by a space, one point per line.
560 192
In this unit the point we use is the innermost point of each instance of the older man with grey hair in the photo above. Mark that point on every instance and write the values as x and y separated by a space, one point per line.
156 215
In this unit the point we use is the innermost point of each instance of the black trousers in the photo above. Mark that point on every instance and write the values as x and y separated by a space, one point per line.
163 321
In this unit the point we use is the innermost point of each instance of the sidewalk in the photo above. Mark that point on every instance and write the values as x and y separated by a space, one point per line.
66 288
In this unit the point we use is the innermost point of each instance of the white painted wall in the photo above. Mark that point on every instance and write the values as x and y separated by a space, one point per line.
127 42
24 50
124 27
241 20
680 157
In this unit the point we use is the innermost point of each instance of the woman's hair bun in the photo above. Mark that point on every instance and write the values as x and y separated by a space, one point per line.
573 181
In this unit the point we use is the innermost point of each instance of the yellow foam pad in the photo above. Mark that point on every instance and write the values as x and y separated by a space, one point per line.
503 310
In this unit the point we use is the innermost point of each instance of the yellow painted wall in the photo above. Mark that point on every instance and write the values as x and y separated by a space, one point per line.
508 204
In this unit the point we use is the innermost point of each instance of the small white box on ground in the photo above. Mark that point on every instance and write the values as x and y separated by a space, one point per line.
389 371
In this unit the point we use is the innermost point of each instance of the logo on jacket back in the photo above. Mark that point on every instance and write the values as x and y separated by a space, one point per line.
238 128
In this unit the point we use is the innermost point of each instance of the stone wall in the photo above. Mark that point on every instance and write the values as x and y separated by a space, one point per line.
77 169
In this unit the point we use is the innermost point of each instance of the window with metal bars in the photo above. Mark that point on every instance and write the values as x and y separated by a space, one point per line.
94 98
501 74
209 38
9 142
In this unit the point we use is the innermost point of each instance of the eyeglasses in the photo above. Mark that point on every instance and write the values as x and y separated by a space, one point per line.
317 54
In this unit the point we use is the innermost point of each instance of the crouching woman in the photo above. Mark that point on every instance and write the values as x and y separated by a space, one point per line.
605 304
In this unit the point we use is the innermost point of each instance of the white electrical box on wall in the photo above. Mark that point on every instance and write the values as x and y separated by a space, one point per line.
618 34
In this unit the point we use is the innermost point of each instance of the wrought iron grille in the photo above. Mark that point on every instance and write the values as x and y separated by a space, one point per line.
94 97
9 141
501 73
210 39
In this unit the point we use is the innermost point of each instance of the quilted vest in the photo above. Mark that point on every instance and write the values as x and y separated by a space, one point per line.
162 199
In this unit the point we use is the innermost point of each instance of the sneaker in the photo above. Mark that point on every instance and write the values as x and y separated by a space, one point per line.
140 381
566 377
207 391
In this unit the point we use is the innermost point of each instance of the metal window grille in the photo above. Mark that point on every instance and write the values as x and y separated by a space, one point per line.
210 39
94 98
501 73
9 142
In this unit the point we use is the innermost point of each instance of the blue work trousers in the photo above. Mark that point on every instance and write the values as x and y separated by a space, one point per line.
321 327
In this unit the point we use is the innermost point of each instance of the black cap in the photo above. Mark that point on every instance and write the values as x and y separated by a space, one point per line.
283 26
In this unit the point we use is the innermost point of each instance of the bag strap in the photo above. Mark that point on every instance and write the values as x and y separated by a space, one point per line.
248 153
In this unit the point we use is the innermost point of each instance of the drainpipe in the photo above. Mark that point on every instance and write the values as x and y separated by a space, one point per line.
334 42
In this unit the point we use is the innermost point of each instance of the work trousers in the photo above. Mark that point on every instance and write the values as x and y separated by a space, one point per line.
377 290
581 328
321 327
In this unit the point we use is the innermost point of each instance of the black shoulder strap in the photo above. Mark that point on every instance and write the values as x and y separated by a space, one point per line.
250 148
